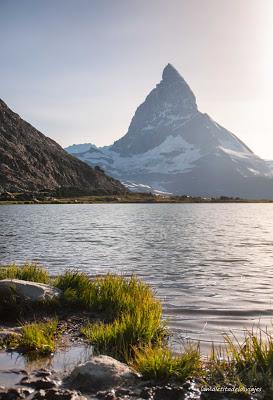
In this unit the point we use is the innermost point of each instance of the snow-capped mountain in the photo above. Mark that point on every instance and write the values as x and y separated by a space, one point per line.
172 147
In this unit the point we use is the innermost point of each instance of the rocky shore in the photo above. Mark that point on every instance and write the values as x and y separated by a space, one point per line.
61 197
120 320
103 379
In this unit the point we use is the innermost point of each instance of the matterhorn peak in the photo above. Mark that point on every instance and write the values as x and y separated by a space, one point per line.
168 106
177 90
172 147
170 73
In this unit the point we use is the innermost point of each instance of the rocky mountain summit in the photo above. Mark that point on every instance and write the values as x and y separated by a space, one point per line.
30 161
172 147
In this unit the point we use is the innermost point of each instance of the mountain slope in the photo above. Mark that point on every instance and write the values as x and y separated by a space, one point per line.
30 161
171 146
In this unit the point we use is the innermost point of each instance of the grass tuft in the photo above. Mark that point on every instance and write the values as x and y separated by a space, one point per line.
159 364
26 272
38 337
77 288
244 363
110 295
129 305
119 339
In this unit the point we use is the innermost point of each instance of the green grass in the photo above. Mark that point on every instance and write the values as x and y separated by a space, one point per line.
117 295
120 338
110 295
130 307
244 363
27 272
77 288
159 363
130 312
38 337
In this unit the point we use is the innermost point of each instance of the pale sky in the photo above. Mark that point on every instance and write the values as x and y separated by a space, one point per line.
77 69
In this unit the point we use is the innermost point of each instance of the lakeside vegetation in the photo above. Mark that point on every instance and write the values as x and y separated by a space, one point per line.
39 337
27 272
128 326
134 198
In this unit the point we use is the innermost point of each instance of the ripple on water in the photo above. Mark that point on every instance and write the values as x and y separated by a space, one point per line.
213 256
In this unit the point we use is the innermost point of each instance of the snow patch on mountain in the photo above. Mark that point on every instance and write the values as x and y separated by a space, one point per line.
173 155
234 153
79 148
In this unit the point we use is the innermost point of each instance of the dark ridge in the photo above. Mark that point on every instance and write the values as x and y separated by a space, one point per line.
30 161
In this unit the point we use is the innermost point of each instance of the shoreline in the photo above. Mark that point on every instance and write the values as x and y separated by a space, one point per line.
120 318
128 199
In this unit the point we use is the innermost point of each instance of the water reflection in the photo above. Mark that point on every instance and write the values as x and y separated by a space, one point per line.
63 360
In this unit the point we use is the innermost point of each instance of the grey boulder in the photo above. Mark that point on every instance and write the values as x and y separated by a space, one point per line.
100 373
31 291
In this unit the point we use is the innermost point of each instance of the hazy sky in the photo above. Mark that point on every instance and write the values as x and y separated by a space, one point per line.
77 69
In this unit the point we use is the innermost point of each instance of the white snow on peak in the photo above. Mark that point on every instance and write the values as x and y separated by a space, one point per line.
234 153
172 155
167 119
254 171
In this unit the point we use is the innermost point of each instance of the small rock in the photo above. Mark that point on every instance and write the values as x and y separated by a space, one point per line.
7 196
168 393
40 383
224 396
39 395
124 392
43 373
146 393
6 333
58 394
24 380
27 392
105 395
12 394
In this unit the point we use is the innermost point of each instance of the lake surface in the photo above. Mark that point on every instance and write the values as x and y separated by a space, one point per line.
211 264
